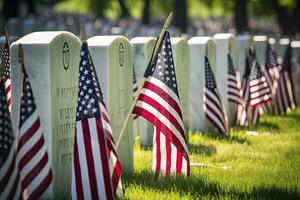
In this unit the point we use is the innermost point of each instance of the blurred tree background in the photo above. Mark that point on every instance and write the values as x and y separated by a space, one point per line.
285 12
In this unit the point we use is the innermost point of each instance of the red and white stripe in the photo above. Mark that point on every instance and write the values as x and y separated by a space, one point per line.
285 96
8 91
214 110
242 108
160 105
113 161
250 115
260 91
10 187
233 90
32 158
90 173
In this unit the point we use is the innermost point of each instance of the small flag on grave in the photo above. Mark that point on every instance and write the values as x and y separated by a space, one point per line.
5 62
159 103
32 156
10 187
285 89
212 104
260 91
96 168
234 92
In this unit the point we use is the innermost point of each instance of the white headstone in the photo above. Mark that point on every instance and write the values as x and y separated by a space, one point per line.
296 69
242 45
225 45
51 61
112 56
197 51
261 44
180 50
142 52
283 44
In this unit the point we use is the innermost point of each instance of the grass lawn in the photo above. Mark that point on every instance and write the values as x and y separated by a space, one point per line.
266 166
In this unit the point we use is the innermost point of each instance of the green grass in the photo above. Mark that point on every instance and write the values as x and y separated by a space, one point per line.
266 166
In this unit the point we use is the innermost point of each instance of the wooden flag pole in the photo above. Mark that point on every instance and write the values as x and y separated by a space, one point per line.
164 29
7 37
82 34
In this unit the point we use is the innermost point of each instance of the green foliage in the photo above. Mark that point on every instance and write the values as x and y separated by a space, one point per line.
243 166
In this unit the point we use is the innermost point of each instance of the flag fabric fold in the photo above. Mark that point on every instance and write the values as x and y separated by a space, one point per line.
159 103
96 172
5 61
32 156
10 187
285 94
212 103
260 91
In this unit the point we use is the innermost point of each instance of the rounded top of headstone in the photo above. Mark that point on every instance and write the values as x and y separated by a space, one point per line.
105 40
295 44
177 40
284 41
223 36
260 38
200 40
142 40
42 37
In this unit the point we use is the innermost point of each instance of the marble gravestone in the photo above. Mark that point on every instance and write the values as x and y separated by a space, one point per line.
242 46
296 69
225 44
142 51
198 46
260 45
51 61
180 51
112 57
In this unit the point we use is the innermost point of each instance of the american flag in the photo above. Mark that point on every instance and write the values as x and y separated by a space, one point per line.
96 168
260 91
212 104
285 91
252 113
270 71
233 89
234 92
32 156
5 61
10 187
159 103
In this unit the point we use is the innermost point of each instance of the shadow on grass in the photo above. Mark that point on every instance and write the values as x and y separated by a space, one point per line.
207 150
266 126
200 186
230 139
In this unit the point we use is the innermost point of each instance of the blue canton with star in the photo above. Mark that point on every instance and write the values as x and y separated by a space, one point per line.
286 64
210 82
163 68
27 100
6 134
6 59
231 69
271 58
255 71
89 92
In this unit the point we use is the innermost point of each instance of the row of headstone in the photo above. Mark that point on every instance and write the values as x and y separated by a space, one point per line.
52 59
